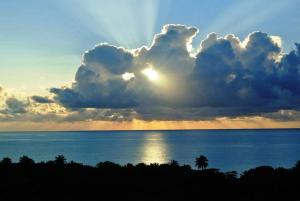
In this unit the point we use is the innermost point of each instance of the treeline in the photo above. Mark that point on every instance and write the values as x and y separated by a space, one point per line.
61 180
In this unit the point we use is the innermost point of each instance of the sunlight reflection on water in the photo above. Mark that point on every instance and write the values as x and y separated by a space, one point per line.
155 149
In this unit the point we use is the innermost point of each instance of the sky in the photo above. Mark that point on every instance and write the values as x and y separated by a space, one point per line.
136 64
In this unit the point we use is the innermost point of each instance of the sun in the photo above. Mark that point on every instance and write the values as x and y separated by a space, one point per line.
151 74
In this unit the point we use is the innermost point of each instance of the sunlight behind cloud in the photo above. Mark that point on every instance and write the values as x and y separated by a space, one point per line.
128 76
151 74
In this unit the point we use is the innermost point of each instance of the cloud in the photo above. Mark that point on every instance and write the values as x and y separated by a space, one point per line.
12 105
3 93
98 81
283 115
224 77
41 99
15 106
231 73
170 50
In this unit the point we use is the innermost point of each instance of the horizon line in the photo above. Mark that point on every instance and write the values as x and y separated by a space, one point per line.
134 130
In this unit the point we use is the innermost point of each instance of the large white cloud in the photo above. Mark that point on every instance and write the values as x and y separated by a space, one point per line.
226 77
100 84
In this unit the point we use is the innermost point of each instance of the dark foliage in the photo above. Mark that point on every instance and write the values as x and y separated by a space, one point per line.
201 162
61 180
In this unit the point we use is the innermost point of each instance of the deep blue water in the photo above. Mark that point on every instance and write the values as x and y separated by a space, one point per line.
225 149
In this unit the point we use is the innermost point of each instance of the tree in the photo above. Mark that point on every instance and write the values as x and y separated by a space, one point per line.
297 166
201 162
26 161
108 165
174 163
60 160
6 162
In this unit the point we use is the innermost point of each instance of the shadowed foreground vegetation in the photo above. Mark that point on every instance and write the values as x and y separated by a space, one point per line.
60 180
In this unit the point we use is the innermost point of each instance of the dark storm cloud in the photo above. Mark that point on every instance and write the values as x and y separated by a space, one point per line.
288 76
249 77
237 76
224 77
41 99
111 94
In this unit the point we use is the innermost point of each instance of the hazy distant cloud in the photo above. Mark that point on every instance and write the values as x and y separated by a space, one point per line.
10 105
283 115
224 77
15 106
3 93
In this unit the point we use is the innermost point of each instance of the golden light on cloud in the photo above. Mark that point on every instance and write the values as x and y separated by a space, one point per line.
277 40
151 74
221 123
128 76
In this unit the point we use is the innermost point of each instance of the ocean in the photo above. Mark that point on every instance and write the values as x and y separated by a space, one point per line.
225 149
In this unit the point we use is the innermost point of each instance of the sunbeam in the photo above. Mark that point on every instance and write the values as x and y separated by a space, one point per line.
130 24
230 19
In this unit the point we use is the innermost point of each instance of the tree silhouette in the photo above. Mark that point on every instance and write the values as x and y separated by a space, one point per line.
201 162
27 180
60 160
6 162
297 166
108 165
174 163
26 161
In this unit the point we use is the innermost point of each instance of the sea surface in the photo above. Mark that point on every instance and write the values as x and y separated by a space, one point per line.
225 149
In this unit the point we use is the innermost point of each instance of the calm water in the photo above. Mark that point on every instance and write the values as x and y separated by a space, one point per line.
225 149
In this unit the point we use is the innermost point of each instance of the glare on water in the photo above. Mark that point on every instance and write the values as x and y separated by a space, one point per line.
155 149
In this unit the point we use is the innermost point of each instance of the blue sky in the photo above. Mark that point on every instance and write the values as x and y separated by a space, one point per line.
45 39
